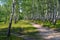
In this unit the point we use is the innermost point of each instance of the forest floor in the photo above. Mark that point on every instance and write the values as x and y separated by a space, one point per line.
46 33
27 30
22 30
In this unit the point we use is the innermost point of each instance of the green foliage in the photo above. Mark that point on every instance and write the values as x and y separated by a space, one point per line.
29 8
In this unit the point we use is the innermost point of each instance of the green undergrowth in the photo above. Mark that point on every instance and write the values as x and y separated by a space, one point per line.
48 24
23 27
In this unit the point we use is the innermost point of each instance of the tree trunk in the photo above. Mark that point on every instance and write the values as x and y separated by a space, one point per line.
10 23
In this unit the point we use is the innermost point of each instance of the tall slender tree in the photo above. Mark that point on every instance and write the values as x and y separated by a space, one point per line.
11 18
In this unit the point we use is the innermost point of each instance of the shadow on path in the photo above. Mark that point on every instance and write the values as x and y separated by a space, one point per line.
46 33
28 33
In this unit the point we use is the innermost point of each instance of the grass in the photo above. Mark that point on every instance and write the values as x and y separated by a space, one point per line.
48 24
23 27
12 37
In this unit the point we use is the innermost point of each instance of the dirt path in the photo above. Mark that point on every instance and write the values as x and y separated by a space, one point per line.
46 33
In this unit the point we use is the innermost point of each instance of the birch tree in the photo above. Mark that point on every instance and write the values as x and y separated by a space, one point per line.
11 18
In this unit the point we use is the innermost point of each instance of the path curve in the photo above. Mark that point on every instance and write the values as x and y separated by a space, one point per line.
47 34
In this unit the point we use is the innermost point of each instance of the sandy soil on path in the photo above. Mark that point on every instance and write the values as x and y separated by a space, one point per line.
47 33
